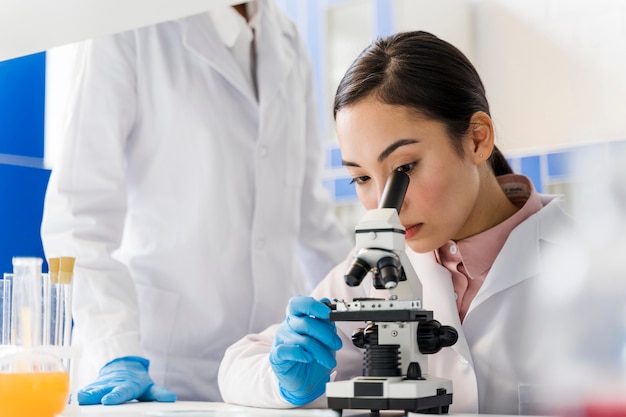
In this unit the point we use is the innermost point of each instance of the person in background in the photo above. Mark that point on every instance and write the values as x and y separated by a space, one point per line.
479 237
189 190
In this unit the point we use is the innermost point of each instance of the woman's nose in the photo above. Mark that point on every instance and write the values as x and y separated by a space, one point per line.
380 187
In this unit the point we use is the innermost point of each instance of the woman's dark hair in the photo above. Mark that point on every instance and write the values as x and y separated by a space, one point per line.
422 72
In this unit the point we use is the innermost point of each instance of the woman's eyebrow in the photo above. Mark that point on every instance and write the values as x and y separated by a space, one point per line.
391 148
385 153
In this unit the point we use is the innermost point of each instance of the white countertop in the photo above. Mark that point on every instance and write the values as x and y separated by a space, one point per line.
203 409
207 409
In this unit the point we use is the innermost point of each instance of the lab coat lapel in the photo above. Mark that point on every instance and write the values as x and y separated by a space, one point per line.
274 60
521 244
439 296
200 37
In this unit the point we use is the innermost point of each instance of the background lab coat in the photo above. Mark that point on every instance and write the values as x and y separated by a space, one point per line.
178 190
498 347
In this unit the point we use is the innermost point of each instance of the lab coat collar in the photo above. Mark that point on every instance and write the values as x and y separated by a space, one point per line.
201 37
522 244
229 23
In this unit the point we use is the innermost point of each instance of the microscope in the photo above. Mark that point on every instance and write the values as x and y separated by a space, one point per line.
399 333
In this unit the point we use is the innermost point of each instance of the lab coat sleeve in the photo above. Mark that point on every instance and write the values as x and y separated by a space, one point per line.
323 241
85 204
245 376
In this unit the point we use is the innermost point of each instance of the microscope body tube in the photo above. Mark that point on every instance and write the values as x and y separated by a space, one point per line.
394 191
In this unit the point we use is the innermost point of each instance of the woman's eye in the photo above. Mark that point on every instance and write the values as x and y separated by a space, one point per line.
359 180
407 168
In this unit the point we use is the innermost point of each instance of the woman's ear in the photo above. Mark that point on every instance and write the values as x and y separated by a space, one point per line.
482 136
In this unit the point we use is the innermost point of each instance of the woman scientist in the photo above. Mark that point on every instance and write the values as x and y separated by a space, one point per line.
477 236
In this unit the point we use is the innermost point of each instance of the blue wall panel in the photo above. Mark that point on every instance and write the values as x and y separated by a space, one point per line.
22 101
531 167
344 189
22 182
22 191
559 165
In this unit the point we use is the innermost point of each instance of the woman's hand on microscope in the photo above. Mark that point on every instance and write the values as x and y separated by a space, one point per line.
303 353
124 379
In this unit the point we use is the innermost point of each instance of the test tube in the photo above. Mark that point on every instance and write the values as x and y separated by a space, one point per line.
6 309
61 271
27 303
46 319
64 325
53 272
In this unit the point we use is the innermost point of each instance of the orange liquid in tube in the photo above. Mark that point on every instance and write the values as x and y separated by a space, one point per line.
33 394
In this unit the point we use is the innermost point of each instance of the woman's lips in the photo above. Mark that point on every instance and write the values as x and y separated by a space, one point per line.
411 231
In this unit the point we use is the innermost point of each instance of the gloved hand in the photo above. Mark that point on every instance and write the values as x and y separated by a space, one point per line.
303 353
124 379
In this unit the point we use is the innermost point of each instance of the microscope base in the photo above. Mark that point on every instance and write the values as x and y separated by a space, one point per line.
430 395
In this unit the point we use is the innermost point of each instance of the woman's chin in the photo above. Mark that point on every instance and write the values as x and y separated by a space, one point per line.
419 246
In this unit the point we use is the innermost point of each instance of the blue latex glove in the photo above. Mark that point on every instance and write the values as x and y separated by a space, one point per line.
124 379
303 353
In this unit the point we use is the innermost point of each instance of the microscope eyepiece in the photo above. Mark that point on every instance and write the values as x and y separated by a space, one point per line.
394 191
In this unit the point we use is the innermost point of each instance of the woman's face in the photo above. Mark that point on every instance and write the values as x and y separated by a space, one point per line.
376 139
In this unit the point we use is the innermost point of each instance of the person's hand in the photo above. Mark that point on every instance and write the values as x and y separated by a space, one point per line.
303 353
124 379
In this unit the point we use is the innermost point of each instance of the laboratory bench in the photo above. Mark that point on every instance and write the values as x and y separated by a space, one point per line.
204 409
208 409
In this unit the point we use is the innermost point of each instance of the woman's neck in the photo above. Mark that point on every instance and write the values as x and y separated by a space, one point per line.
492 208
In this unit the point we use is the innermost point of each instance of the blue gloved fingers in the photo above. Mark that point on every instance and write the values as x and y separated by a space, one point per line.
91 395
285 357
158 393
120 394
122 379
323 331
303 349
308 306
279 359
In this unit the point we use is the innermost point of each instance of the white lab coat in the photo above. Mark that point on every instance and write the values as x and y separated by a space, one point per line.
499 346
184 200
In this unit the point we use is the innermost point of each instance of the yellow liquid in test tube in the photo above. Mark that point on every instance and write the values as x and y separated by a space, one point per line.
30 394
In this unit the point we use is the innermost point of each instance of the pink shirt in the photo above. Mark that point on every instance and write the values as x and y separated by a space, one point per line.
469 260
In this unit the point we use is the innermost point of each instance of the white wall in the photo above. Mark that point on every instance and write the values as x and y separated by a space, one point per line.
555 70
451 20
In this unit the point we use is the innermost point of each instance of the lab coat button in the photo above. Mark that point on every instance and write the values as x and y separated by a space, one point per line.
463 360
262 151
260 243
453 249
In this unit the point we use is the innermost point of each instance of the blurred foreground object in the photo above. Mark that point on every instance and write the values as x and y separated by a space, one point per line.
29 26
585 306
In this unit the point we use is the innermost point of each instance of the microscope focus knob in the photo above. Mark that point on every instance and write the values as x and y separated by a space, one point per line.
432 336
362 337
358 338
